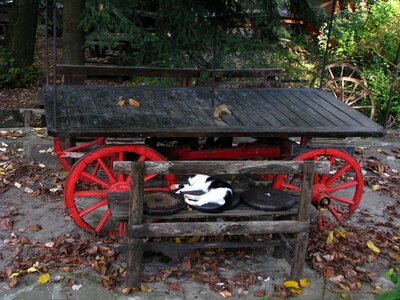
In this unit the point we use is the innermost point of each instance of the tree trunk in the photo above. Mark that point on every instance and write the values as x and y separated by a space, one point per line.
73 35
21 35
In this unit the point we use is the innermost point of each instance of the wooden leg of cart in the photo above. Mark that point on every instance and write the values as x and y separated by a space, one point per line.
135 245
301 239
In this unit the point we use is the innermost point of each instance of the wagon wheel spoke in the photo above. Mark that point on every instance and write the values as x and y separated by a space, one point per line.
106 170
337 216
337 175
96 179
103 221
361 96
324 177
97 193
93 207
342 199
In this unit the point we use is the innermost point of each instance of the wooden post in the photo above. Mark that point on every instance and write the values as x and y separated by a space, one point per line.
135 245
301 239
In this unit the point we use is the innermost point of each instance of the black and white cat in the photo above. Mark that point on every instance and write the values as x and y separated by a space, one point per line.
215 191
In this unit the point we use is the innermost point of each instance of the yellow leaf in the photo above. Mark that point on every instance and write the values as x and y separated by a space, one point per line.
40 135
223 108
291 284
343 287
344 296
296 291
15 274
342 233
226 294
304 282
64 269
194 239
134 102
32 270
121 103
144 288
37 129
375 187
371 246
44 278
331 238
178 240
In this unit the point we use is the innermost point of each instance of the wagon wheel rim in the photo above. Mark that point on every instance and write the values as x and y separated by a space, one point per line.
79 151
335 70
343 186
88 203
354 93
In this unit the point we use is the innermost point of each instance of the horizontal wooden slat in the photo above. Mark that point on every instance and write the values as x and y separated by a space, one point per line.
221 167
266 72
216 228
126 71
119 203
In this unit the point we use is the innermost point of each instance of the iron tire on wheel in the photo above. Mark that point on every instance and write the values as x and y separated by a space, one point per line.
97 167
345 177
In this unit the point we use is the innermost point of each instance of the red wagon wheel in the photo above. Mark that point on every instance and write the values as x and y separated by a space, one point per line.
88 203
336 195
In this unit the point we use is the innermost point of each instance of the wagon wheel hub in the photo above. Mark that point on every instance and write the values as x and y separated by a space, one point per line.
320 196
119 187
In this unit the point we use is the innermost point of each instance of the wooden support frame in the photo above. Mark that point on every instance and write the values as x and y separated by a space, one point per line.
137 229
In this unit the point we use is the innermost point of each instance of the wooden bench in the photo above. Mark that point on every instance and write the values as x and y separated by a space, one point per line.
188 223
77 74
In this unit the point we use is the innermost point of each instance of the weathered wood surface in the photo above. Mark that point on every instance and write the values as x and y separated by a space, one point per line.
183 112
221 167
216 228
135 245
118 203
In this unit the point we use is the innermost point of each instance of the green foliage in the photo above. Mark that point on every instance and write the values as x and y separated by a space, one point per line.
182 33
368 39
394 294
13 76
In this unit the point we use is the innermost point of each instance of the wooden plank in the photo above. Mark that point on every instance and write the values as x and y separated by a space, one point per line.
159 111
221 167
116 71
135 245
263 72
75 111
263 108
295 111
307 110
241 109
121 115
183 107
118 202
326 115
216 228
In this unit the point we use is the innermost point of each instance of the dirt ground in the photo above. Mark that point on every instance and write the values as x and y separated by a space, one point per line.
37 237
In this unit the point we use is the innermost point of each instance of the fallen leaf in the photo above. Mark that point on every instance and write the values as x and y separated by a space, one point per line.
344 296
296 291
186 265
331 238
126 291
343 287
260 293
76 287
144 288
175 287
120 103
64 269
13 282
193 239
375 187
394 256
291 284
34 228
226 294
49 244
44 278
223 108
304 282
17 184
371 246
6 224
32 270
134 102
13 275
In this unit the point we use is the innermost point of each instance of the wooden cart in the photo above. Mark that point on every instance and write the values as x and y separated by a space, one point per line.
179 124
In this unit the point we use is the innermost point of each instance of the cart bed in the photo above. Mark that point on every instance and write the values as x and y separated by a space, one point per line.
88 111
